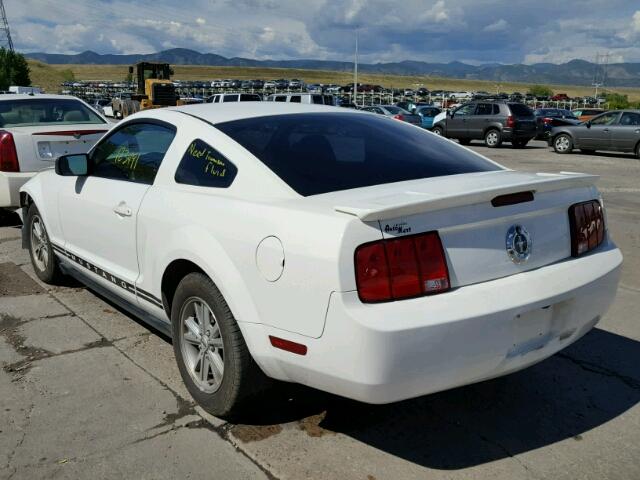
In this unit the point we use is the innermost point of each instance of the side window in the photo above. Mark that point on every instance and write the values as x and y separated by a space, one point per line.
295 99
216 99
203 166
280 98
230 98
606 119
317 100
496 109
630 119
133 153
484 109
467 109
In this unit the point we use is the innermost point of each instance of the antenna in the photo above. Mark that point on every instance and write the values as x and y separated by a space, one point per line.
5 34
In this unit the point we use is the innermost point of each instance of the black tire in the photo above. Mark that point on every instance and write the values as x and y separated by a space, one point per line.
493 138
519 143
44 262
242 379
638 150
563 144
438 131
464 141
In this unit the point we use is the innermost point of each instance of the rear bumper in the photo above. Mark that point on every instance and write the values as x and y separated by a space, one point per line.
10 184
381 353
509 135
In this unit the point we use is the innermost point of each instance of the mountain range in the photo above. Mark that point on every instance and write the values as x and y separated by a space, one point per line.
575 72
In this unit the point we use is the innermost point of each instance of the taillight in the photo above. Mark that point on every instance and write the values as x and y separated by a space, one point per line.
511 121
547 121
401 268
587 226
399 116
8 154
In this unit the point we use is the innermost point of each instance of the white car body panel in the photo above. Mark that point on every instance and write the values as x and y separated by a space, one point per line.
38 151
498 318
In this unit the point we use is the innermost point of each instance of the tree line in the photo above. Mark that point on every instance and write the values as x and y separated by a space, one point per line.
14 70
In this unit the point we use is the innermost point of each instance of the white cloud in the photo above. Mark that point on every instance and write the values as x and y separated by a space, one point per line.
498 26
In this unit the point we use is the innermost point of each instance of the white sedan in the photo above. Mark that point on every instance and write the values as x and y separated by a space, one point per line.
35 130
324 246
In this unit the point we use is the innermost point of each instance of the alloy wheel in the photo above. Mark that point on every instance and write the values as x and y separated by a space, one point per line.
492 138
201 344
39 244
562 143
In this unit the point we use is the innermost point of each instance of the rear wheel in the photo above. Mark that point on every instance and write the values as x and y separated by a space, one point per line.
638 150
44 261
492 138
563 144
213 358
438 131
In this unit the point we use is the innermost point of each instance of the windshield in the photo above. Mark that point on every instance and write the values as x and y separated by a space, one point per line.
318 153
45 111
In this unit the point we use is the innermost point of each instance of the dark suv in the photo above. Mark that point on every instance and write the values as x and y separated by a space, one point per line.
493 121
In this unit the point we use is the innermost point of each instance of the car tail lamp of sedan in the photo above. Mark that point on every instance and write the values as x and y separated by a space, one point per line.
587 226
399 116
401 268
8 153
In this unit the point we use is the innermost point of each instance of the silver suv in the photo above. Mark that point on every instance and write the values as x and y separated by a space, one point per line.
489 120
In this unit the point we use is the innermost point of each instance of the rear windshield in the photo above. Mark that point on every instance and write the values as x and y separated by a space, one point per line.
49 111
318 153
520 110
394 110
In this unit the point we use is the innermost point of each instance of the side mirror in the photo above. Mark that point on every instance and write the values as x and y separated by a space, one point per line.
72 165
450 113
588 124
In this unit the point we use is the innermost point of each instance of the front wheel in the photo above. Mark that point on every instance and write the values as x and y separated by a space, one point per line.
44 261
563 144
438 131
213 358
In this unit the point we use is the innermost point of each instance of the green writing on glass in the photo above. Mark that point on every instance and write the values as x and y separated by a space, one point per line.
125 159
212 165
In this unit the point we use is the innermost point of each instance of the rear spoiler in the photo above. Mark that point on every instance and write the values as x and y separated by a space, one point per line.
411 202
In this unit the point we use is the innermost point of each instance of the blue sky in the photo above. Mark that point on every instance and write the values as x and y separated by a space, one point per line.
474 31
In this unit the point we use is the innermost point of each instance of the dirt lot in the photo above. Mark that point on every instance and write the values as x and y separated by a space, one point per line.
88 392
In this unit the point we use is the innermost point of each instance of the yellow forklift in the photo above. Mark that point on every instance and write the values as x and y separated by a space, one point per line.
154 89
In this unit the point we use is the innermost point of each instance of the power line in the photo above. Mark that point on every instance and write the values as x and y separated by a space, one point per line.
5 34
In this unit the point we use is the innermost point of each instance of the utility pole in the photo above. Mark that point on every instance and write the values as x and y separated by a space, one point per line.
600 73
5 34
355 73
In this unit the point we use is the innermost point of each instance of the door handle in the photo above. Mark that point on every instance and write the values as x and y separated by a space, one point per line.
605 130
637 130
123 210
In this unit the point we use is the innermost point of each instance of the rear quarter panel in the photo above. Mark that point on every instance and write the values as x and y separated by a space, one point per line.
220 230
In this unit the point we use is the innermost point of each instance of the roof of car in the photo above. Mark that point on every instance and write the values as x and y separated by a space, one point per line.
26 96
225 112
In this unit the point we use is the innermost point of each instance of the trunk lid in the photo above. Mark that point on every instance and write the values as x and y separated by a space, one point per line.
38 147
474 231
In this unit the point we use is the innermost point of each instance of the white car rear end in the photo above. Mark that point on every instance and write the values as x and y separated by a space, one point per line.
37 129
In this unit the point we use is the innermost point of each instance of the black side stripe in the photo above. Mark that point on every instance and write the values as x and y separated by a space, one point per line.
129 287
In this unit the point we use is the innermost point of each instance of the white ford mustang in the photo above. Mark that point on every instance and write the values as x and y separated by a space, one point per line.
334 248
